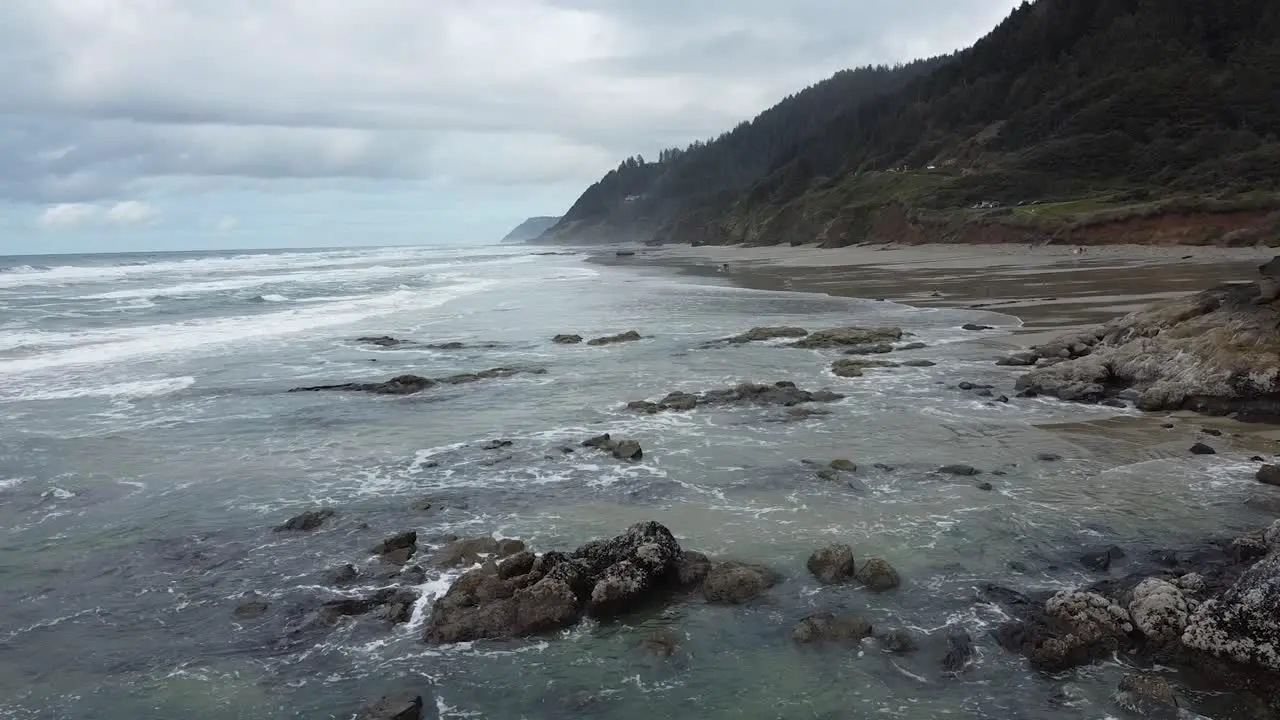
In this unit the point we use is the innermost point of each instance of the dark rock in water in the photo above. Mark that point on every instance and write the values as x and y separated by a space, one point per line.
1202 449
828 475
918 363
415 575
628 336
602 578
1002 399
1114 403
975 327
678 401
876 349
469 552
1074 628
898 641
602 442
399 607
984 392
832 564
342 575
759 334
1048 457
855 368
804 413
1257 458
826 627
911 346
692 569
1211 432
516 565
883 467
1028 394
783 393
399 541
497 444
250 609
959 652
307 521
411 384
1167 426
844 465
567 339
966 385
1101 560
1149 696
848 336
961 470
878 575
735 583
422 505
985 486
1249 547
400 706
1022 359
383 340
628 450
1269 474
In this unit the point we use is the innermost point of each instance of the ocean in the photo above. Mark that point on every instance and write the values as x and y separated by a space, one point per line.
149 444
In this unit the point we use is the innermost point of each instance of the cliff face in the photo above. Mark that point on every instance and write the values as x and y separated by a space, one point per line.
530 229
1083 121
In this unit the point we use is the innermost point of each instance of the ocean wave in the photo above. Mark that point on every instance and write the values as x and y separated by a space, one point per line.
133 389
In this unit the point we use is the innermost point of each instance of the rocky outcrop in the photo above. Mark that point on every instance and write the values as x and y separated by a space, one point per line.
461 553
780 393
849 336
628 336
398 548
385 341
876 349
1148 696
735 583
1215 352
1073 628
567 339
849 368
1243 624
832 564
407 705
410 384
762 334
628 450
878 575
305 522
604 578
1160 611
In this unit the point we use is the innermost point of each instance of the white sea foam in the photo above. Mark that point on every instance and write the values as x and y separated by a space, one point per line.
102 347
132 389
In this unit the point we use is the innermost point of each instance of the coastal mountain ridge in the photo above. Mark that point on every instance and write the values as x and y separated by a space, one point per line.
530 229
1075 121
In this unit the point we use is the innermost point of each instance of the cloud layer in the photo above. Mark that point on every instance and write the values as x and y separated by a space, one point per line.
104 100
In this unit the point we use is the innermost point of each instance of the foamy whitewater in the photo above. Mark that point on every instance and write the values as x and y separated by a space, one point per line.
148 445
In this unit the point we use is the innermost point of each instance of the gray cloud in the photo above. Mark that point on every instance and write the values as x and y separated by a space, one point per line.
101 99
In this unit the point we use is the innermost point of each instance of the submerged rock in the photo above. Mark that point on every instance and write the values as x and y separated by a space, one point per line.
960 470
306 522
918 363
735 583
628 336
855 368
1269 475
898 641
1202 449
385 341
832 564
843 465
461 553
975 327
761 334
628 450
567 339
876 349
250 609
827 627
1214 352
411 384
342 575
400 706
849 336
781 393
1149 696
959 652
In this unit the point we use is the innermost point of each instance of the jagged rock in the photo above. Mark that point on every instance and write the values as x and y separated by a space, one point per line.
841 337
603 578
628 336
827 627
735 583
1269 475
760 334
878 575
832 564
1022 359
567 339
898 641
875 349
1074 628
1249 547
410 384
1202 449
1243 624
961 470
959 652
1149 696
307 521
1213 352
1159 610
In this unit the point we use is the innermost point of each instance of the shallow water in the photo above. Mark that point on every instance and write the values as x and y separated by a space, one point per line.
148 445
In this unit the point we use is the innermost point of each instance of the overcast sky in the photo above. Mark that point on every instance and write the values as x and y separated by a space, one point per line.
190 124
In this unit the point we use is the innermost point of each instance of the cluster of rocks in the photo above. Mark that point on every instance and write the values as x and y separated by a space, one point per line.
411 384
846 337
835 564
526 594
1220 620
1215 352
387 341
852 368
628 336
628 450
782 393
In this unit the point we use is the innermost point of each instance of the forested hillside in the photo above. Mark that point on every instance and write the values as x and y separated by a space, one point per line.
1071 117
